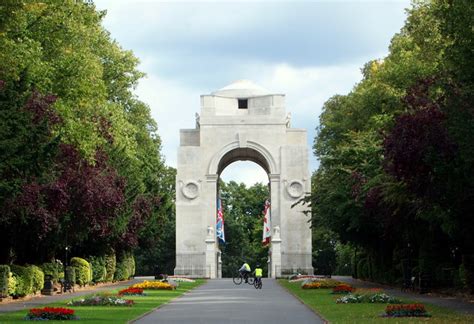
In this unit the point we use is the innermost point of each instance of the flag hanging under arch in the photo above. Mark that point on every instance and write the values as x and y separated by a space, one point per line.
267 226
220 221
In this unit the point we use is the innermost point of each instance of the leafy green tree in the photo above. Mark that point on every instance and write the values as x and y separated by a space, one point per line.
243 219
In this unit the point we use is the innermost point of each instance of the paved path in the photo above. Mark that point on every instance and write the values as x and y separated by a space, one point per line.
453 303
220 301
42 300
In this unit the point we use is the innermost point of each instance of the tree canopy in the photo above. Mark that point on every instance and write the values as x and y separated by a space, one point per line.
396 154
80 161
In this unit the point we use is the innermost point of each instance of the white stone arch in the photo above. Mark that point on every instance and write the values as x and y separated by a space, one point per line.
261 149
241 122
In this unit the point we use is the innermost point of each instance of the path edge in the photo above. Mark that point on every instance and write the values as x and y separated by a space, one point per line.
302 301
158 307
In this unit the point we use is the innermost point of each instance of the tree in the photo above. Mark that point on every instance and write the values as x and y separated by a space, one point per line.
243 218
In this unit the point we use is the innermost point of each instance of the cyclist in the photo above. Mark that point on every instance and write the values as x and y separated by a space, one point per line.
244 271
258 273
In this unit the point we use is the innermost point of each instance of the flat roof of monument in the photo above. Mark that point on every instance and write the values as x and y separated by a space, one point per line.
242 89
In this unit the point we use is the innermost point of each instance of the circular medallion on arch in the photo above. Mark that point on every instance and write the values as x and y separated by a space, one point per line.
190 189
295 188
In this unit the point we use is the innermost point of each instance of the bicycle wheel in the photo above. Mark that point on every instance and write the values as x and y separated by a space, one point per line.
251 280
258 284
237 279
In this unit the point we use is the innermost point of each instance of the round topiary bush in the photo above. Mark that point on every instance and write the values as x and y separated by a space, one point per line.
37 277
99 270
83 270
24 280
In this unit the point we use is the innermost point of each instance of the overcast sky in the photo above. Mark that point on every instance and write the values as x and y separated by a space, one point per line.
308 50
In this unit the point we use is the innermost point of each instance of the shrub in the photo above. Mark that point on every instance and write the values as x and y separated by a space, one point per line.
24 280
4 275
110 266
12 284
99 270
53 269
468 271
82 269
38 278
70 274
125 267
363 269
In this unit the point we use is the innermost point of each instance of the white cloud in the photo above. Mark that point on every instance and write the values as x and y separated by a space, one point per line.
308 52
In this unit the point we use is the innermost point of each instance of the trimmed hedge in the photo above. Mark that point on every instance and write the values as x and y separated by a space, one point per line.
37 278
110 266
4 275
83 271
99 270
24 280
12 284
53 269
70 274
125 267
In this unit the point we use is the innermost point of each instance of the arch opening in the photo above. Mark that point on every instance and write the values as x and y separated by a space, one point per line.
243 205
243 154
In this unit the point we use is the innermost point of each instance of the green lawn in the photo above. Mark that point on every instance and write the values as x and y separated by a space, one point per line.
113 314
324 303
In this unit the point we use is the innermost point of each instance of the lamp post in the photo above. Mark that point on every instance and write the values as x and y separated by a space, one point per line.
66 249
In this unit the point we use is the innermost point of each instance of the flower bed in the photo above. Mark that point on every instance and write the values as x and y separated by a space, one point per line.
379 298
154 285
322 283
407 310
98 300
50 313
131 292
342 289
296 278
181 279
367 291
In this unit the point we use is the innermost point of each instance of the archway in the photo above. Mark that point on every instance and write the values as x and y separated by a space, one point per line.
242 193
241 122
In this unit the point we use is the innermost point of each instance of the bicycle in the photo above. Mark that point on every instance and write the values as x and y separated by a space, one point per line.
258 283
239 277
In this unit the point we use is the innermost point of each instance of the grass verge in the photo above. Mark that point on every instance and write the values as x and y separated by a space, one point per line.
324 303
112 314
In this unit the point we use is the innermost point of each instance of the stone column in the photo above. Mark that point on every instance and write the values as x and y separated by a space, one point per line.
276 222
219 264
276 252
210 270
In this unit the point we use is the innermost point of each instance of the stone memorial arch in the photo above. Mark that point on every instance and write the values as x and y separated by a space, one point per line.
241 121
